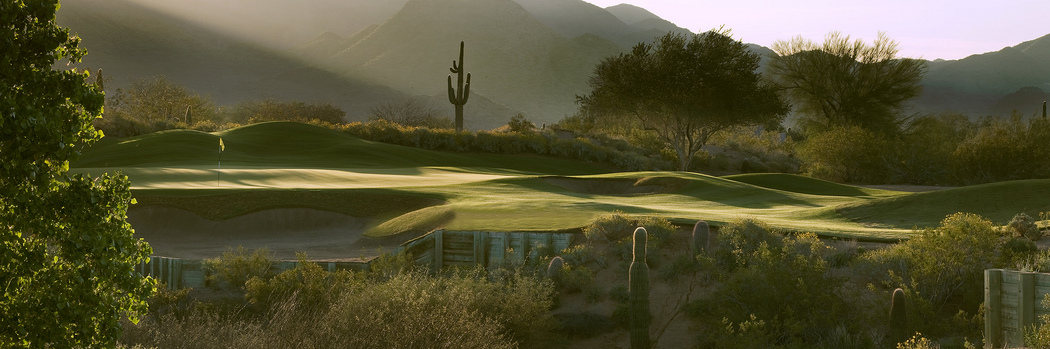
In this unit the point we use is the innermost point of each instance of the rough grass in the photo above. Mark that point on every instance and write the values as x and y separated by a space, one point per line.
419 221
998 202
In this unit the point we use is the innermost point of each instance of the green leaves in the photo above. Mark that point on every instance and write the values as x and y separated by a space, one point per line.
67 255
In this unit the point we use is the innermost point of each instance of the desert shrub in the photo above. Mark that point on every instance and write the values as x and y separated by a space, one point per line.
659 230
613 226
740 239
583 255
310 285
201 328
1023 225
940 266
766 150
165 301
845 154
518 123
1002 150
235 267
388 265
576 278
466 309
775 291
917 342
922 152
1017 251
1039 336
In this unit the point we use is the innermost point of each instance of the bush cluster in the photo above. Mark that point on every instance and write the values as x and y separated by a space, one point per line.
946 149
308 307
539 143
775 290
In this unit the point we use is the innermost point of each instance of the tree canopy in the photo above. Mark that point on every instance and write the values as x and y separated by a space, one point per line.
67 254
684 89
846 83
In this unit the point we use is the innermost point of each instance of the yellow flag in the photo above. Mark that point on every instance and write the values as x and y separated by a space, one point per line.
221 146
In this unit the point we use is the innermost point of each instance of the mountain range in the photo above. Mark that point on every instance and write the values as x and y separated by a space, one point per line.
525 56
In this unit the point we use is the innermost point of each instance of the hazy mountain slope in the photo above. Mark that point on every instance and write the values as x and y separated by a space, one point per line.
641 19
976 83
280 23
572 18
510 55
130 41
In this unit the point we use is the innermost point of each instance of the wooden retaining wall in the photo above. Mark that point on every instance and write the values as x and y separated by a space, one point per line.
1013 301
438 250
179 273
468 248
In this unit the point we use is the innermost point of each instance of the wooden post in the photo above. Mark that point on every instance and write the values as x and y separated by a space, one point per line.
480 246
1025 304
993 298
177 275
438 254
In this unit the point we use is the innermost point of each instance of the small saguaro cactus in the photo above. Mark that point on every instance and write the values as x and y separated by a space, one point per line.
458 98
701 231
639 293
555 268
1044 109
898 318
188 116
98 82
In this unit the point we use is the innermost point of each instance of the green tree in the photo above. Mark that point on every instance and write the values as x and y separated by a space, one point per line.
684 89
844 83
156 99
67 255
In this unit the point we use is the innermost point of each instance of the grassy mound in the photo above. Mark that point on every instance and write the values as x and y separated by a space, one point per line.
420 221
619 186
296 145
802 184
995 201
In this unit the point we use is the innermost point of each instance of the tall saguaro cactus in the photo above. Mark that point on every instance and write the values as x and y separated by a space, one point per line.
639 293
1044 109
898 318
458 98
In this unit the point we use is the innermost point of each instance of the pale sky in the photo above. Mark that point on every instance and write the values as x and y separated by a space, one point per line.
948 29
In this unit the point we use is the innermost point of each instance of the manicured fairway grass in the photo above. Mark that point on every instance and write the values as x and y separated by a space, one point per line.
294 165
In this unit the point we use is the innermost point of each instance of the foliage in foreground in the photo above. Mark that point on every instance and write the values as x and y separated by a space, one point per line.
308 307
67 254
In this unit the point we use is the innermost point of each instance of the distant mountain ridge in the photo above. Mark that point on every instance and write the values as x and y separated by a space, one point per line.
979 84
531 56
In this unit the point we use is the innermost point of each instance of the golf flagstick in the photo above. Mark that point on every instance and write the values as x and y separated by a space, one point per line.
219 170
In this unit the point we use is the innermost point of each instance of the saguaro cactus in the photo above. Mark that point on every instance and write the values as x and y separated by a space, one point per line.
898 318
99 83
554 269
1044 109
458 98
701 231
639 293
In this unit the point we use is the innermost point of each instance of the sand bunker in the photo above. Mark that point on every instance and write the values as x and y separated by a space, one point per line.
619 186
321 234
